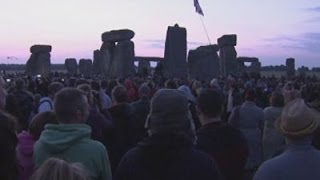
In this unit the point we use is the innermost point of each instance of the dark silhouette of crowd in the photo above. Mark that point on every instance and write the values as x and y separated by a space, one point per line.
235 128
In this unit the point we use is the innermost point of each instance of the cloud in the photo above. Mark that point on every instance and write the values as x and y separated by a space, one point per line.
314 9
306 41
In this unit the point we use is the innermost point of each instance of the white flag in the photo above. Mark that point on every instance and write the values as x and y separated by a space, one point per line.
198 8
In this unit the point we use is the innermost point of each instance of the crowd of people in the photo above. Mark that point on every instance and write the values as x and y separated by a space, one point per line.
234 128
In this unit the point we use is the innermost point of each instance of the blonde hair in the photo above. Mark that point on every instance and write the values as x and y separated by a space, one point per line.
58 169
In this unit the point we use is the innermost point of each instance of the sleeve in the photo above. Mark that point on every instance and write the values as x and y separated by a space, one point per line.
106 173
232 119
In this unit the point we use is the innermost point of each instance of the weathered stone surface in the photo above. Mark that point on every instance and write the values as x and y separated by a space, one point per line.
290 64
107 53
40 49
254 69
228 40
39 61
117 35
228 60
122 64
175 56
85 67
203 63
71 66
97 62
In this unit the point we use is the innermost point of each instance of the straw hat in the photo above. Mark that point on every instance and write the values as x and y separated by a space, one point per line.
297 119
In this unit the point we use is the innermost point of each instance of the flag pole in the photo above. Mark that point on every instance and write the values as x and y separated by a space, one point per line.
205 29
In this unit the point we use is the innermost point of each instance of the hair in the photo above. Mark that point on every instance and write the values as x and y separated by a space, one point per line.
68 102
58 169
39 121
119 94
250 95
104 84
54 87
8 144
95 85
210 103
277 99
170 84
20 84
144 90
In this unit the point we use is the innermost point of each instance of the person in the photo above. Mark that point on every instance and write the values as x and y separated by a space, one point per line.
8 143
20 104
248 118
140 111
224 143
46 103
273 142
58 169
300 160
168 152
70 139
26 140
122 120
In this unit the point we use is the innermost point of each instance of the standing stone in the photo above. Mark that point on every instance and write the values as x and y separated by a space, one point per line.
228 54
71 66
85 67
117 53
254 69
123 63
117 35
203 63
175 55
39 61
290 64
97 62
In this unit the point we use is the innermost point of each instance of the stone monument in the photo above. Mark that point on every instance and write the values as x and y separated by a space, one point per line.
85 67
228 54
290 64
175 55
203 63
117 54
39 61
71 66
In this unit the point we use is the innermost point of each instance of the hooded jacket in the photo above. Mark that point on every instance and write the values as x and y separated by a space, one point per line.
72 143
24 155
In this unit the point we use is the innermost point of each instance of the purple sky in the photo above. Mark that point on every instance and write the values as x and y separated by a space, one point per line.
271 30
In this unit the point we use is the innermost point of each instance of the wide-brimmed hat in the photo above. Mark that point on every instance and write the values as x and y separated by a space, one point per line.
297 119
169 111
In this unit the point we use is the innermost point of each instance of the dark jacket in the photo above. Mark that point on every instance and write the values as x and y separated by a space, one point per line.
166 157
140 111
227 146
123 139
102 127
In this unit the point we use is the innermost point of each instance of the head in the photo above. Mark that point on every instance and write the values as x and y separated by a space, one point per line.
71 106
290 95
187 92
86 88
144 90
297 120
54 88
277 99
119 94
170 84
39 121
169 113
53 169
209 106
8 143
20 84
250 95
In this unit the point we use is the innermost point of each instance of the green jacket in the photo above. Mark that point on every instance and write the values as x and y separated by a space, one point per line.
72 143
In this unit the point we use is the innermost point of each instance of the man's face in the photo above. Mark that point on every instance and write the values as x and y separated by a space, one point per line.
3 94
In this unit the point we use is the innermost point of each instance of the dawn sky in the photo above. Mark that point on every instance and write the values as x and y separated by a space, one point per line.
271 30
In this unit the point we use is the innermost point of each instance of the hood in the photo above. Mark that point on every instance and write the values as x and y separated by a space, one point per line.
56 138
25 143
186 90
